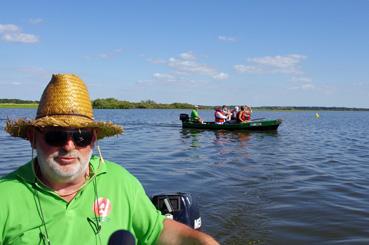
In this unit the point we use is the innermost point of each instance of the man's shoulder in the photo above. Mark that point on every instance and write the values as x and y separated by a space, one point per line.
114 170
13 182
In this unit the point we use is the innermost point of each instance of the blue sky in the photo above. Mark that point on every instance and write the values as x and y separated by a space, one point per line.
257 52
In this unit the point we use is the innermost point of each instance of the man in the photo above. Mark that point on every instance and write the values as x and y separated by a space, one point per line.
234 112
195 115
66 195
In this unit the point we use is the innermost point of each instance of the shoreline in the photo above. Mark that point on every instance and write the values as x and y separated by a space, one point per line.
257 108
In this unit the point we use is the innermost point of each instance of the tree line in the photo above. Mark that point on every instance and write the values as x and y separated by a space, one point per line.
112 103
17 101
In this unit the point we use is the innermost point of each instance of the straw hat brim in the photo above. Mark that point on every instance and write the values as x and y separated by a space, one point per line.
20 127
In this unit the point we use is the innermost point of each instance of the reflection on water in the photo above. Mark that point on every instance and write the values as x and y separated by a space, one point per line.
221 136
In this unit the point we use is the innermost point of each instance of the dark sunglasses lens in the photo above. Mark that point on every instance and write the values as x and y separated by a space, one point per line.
56 138
82 138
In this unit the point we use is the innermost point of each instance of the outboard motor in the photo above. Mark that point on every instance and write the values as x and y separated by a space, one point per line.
180 207
184 117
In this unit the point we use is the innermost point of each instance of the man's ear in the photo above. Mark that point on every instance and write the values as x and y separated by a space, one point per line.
94 138
31 135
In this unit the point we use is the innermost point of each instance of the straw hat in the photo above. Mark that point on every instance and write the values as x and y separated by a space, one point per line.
65 102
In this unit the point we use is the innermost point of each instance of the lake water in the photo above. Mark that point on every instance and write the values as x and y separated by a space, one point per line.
307 183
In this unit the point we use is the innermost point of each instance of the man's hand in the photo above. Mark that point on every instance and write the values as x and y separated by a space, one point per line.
175 233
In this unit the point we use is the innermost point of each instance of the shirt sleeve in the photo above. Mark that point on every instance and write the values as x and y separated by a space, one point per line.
147 220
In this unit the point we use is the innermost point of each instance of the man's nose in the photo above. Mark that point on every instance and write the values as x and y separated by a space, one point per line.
69 144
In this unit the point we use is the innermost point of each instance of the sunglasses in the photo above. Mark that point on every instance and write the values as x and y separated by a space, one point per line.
59 137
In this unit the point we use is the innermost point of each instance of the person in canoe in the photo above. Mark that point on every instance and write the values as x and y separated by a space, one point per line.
195 115
248 112
234 112
220 115
227 112
242 115
67 195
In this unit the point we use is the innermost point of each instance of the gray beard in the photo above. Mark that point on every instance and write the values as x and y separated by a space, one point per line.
54 172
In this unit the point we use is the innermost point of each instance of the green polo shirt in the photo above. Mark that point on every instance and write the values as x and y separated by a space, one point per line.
111 198
195 115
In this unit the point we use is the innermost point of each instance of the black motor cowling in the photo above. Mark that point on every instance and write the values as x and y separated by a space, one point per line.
184 117
180 207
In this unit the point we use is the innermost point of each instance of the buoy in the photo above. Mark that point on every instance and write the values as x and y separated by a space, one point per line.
317 115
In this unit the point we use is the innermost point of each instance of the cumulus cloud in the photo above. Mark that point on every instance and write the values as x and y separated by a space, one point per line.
164 76
221 76
301 79
13 33
289 64
8 28
247 69
186 63
184 69
227 39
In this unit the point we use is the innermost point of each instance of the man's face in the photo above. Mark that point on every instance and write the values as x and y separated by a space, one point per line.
63 154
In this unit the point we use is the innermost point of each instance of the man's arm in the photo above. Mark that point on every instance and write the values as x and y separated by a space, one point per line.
175 233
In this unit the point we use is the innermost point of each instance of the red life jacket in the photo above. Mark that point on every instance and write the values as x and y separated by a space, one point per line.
248 116
217 119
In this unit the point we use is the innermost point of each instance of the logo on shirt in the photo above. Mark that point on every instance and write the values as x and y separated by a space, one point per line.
102 207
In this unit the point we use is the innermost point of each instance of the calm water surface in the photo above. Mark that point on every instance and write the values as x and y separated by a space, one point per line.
307 183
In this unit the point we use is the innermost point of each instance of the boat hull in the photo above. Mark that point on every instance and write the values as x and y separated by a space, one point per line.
257 125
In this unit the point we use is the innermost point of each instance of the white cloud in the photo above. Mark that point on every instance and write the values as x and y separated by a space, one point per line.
12 33
288 64
19 37
187 63
221 76
301 79
164 76
247 69
308 86
187 56
227 39
8 28
305 87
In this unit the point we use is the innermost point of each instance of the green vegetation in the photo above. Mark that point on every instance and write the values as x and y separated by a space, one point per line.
15 105
17 101
112 103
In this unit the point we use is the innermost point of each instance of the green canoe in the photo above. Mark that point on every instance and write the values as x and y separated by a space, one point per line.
257 125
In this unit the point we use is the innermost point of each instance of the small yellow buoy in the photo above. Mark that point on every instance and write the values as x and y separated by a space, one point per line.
317 115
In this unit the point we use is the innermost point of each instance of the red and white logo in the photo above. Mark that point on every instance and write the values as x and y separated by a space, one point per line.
102 207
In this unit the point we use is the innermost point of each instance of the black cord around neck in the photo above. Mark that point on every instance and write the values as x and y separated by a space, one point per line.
43 236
